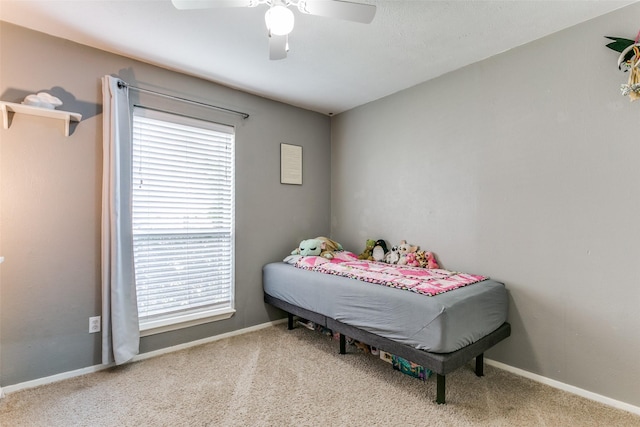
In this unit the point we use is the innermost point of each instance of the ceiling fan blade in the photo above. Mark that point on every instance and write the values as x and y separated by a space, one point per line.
277 47
209 4
347 10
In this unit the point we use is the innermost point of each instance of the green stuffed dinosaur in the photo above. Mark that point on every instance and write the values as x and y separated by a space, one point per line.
320 246
368 250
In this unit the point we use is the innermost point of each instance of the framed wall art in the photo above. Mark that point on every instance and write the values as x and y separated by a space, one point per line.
290 164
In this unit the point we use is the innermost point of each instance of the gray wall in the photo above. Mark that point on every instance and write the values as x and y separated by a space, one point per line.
50 194
523 167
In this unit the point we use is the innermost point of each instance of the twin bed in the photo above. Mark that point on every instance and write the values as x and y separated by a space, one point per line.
441 332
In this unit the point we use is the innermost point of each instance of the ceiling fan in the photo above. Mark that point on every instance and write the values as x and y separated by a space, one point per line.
279 18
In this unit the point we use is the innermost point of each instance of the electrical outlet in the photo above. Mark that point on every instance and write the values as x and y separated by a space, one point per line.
94 324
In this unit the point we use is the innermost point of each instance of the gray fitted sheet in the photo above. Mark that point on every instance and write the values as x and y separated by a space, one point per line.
439 324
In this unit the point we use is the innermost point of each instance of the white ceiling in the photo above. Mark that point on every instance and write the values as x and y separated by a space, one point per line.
332 66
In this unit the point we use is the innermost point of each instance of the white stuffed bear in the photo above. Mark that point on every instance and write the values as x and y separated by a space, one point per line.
403 249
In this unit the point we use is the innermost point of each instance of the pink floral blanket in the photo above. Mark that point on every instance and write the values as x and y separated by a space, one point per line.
415 279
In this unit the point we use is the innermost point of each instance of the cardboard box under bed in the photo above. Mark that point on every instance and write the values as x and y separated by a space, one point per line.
441 332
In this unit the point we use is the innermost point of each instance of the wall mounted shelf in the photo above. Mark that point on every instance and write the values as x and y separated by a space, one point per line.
67 116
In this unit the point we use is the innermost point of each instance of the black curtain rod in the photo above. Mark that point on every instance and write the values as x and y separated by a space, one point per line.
122 84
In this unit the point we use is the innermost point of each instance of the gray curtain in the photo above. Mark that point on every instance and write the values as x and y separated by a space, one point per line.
120 332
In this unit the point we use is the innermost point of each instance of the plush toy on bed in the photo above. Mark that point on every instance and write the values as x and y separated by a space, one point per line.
392 256
320 246
426 259
403 249
379 250
375 250
412 259
431 260
368 250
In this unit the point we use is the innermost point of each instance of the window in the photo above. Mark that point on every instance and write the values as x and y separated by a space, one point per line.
183 219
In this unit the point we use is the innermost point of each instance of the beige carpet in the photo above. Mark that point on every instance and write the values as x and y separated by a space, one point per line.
275 377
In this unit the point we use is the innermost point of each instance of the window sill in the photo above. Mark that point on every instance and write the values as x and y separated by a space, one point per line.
180 322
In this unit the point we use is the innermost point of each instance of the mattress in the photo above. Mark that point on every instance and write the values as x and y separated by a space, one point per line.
440 324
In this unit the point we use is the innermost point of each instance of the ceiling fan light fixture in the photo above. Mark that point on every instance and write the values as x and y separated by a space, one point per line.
279 20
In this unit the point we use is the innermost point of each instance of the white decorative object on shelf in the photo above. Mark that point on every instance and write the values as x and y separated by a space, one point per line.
67 116
42 100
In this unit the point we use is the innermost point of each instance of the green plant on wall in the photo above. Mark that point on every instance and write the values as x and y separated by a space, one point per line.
628 61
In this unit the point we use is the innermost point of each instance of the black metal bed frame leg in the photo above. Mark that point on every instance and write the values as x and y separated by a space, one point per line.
289 321
480 365
440 392
343 344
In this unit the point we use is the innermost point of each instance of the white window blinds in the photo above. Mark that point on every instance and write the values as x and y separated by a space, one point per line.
183 217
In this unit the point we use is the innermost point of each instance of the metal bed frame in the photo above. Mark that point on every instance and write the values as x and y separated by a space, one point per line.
440 363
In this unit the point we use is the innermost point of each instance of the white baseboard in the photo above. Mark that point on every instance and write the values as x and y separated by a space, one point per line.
566 387
517 371
96 368
53 378
207 340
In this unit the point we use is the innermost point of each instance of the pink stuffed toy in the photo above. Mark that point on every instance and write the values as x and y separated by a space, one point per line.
403 250
412 259
431 260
